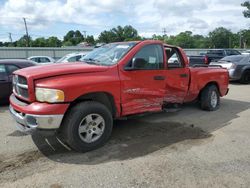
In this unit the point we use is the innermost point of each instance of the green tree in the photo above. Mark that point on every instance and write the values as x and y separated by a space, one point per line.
183 39
244 38
119 34
22 42
130 33
159 37
200 41
54 42
73 38
106 37
39 42
67 43
220 38
246 13
90 39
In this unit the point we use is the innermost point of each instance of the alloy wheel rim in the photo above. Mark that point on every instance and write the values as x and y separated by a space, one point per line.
214 99
91 128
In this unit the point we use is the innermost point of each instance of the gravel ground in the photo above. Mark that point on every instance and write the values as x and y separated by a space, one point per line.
188 148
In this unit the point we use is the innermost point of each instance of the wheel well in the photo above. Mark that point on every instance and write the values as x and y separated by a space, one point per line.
248 69
209 84
101 97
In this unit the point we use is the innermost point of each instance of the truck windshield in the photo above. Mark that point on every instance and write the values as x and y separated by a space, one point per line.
108 54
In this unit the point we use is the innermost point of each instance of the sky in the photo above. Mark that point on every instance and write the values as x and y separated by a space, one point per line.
57 17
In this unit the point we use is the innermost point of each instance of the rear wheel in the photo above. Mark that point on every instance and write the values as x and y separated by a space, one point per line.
245 78
87 126
210 98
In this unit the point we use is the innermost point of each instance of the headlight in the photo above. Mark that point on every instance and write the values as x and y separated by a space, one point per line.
49 95
231 66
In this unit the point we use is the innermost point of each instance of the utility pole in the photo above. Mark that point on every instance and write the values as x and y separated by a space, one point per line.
240 41
10 37
85 34
27 34
164 31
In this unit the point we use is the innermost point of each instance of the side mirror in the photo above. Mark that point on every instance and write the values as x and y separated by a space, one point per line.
138 63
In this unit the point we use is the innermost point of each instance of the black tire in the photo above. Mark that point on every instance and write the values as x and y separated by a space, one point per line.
207 99
73 120
245 78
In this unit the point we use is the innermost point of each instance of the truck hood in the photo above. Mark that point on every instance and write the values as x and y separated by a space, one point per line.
44 71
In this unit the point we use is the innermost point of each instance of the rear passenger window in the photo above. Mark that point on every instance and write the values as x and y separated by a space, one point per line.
174 59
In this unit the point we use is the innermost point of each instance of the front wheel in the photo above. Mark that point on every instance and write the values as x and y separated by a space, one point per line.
245 78
210 98
87 126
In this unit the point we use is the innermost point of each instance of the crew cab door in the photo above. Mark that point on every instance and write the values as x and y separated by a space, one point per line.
177 76
143 81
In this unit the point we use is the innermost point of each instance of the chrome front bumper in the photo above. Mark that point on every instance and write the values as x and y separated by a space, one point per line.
28 123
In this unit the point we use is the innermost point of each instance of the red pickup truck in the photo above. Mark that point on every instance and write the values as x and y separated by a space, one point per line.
79 101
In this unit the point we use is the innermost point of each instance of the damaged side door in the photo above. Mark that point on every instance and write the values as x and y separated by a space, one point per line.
143 81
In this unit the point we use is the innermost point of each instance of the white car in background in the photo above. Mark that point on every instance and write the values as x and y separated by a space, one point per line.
72 57
42 60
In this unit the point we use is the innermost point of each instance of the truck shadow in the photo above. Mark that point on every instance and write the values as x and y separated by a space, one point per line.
3 107
141 136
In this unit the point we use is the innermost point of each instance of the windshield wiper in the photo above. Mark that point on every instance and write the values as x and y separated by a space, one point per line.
92 61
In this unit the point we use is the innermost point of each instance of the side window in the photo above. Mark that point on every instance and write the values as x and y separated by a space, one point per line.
74 58
150 56
78 57
229 52
234 52
220 53
11 68
3 72
174 58
34 59
44 60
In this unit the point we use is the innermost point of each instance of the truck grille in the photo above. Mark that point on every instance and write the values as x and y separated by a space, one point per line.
20 86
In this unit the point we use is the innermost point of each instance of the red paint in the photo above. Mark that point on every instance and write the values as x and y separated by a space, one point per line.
133 91
38 108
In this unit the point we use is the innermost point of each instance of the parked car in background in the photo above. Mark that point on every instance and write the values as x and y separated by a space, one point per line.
42 59
72 57
198 60
193 60
238 67
7 67
217 54
211 55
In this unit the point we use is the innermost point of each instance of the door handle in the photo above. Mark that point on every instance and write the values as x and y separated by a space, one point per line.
183 75
159 77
